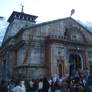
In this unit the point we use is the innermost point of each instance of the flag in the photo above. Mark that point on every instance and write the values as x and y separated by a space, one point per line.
72 12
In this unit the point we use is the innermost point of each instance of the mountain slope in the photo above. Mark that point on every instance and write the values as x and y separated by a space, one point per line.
3 27
87 24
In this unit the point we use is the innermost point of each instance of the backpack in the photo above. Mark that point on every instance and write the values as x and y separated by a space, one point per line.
59 84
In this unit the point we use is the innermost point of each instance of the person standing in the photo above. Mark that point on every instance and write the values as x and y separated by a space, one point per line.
40 86
36 85
45 85
11 85
23 86
32 88
64 86
57 86
52 85
3 87
88 86
18 87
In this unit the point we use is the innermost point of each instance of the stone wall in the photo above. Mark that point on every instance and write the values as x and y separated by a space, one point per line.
35 37
15 27
40 32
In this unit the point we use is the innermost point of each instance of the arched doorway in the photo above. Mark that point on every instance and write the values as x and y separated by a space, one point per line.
75 62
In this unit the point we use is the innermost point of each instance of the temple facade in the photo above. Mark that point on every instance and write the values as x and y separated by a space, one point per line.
54 48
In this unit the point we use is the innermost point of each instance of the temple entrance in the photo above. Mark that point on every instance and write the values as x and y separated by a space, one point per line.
60 68
75 63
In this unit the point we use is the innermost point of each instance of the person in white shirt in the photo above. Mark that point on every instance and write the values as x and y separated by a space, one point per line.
40 86
18 87
23 86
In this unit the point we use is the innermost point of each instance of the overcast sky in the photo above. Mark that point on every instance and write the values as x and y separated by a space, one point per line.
49 9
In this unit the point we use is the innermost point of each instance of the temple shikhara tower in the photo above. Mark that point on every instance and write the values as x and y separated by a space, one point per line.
55 48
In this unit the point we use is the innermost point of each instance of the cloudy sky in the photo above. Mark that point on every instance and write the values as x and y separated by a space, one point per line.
49 9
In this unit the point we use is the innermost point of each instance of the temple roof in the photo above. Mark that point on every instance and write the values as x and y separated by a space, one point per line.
21 16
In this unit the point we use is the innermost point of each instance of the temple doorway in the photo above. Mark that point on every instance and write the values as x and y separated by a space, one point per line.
75 63
60 68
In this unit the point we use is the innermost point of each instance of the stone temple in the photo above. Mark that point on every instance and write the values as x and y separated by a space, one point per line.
54 48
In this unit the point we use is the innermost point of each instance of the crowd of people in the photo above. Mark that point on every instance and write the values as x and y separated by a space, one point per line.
79 82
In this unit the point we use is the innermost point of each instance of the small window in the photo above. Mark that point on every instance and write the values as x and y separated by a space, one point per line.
28 18
25 18
21 17
32 19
